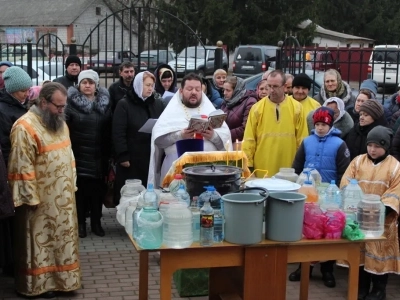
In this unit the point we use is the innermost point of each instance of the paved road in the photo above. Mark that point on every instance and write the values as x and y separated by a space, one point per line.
110 270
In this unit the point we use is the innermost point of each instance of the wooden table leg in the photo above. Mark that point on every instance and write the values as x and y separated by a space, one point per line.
225 281
305 280
143 274
265 273
354 263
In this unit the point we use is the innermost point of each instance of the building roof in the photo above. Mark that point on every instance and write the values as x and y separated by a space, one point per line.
332 33
42 13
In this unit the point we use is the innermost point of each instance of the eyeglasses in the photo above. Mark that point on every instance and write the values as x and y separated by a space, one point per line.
59 107
274 87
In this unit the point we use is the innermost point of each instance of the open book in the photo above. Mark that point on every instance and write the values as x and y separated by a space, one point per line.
201 123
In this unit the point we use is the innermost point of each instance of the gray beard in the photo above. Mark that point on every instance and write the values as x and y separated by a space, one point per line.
53 122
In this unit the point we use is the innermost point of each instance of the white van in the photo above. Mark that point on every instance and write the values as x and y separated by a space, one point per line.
384 65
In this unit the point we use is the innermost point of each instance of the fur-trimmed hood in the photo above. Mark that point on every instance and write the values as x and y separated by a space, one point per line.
80 102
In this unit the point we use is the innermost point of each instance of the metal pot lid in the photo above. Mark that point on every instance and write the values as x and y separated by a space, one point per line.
274 184
212 170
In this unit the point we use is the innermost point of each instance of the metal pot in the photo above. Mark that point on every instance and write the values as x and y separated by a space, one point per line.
225 179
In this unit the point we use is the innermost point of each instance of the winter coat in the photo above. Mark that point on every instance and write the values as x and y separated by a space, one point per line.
329 155
345 124
117 91
89 124
6 202
237 116
395 148
213 94
356 139
10 110
347 96
67 80
158 86
393 105
130 145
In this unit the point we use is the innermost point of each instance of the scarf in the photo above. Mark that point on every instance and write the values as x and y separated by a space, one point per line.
238 93
340 105
138 85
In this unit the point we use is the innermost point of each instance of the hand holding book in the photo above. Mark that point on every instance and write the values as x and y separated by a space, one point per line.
200 123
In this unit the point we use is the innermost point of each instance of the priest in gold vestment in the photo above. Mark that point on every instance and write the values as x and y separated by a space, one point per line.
42 179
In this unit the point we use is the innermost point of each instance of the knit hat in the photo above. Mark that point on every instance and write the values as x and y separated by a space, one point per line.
303 80
16 79
381 136
373 108
89 74
370 85
5 63
162 71
73 59
324 115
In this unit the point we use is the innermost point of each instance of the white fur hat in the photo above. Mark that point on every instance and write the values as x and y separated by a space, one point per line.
89 74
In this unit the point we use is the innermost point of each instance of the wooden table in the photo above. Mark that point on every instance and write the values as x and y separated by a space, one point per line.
262 268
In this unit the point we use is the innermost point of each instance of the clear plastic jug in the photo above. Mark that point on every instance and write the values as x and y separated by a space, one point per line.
150 228
176 183
287 174
132 187
352 195
309 190
178 226
371 216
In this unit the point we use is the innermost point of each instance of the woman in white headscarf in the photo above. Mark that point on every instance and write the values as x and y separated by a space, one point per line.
342 119
132 148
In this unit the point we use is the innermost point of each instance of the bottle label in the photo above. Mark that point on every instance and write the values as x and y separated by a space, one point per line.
207 221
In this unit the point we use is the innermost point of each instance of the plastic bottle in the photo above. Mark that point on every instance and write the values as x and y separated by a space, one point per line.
371 216
176 183
178 226
217 204
309 190
196 220
182 195
333 197
129 219
132 187
352 195
150 197
206 224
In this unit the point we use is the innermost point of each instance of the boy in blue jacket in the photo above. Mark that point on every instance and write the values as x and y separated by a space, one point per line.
330 156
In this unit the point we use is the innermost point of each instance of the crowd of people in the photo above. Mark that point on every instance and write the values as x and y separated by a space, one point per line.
59 139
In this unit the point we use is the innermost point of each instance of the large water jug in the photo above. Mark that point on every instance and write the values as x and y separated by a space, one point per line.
150 228
150 197
177 227
352 195
371 216
182 195
310 191
129 211
135 229
176 183
287 174
132 187
333 198
310 173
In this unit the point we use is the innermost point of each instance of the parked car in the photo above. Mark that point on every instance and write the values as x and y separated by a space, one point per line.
384 65
252 59
150 59
109 61
197 59
315 60
42 71
17 53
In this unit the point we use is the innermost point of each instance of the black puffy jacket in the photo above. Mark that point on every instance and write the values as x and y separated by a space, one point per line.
67 80
89 123
117 91
10 111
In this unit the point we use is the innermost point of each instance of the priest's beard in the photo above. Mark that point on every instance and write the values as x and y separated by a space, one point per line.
53 122
188 102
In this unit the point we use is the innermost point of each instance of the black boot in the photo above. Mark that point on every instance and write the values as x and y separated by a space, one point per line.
82 230
327 273
364 283
296 275
97 229
379 283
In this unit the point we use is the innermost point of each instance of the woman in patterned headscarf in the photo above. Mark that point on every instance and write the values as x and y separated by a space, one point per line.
334 86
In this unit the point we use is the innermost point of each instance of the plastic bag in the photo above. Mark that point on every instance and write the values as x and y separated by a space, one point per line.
352 231
336 221
314 222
